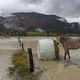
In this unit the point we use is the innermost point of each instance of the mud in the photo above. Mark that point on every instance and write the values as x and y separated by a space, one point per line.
57 69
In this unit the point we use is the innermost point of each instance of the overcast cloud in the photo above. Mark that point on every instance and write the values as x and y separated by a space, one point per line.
69 9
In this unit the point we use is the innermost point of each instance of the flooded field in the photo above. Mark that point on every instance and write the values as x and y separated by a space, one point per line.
57 69
7 47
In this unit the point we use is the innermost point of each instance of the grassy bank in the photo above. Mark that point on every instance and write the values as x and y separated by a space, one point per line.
20 67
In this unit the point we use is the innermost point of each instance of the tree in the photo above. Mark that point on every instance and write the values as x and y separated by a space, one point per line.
47 33
15 32
25 33
19 34
11 33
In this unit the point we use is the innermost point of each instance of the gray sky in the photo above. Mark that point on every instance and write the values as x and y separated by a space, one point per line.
69 9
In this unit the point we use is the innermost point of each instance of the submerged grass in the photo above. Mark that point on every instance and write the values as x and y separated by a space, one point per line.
20 62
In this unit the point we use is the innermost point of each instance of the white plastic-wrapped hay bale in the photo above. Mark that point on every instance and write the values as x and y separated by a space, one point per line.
46 49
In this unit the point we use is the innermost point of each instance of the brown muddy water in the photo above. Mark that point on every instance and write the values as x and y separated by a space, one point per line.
57 69
7 47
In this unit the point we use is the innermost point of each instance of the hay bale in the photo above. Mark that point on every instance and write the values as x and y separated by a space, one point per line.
46 49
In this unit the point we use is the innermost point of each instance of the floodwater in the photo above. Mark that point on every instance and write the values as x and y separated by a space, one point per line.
7 47
56 69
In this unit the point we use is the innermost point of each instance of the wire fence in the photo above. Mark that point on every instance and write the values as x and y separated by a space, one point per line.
37 67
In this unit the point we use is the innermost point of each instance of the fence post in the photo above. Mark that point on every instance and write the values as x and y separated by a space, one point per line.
31 60
19 41
22 46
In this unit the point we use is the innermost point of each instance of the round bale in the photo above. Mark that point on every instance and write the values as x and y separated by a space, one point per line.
46 49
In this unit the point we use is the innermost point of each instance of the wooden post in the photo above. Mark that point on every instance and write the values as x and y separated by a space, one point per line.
31 60
19 39
22 46
20 43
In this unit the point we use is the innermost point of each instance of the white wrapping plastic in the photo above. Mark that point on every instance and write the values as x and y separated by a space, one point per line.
46 49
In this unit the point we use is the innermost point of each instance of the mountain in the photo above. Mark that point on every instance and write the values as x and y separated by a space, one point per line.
75 26
35 22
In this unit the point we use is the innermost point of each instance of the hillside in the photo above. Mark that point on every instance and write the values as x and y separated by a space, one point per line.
36 22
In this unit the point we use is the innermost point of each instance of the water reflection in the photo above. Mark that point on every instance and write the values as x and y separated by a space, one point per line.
69 63
66 63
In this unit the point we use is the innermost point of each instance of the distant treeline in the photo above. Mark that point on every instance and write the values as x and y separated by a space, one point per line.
27 33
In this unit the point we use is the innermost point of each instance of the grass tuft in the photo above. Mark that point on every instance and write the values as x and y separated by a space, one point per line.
20 62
